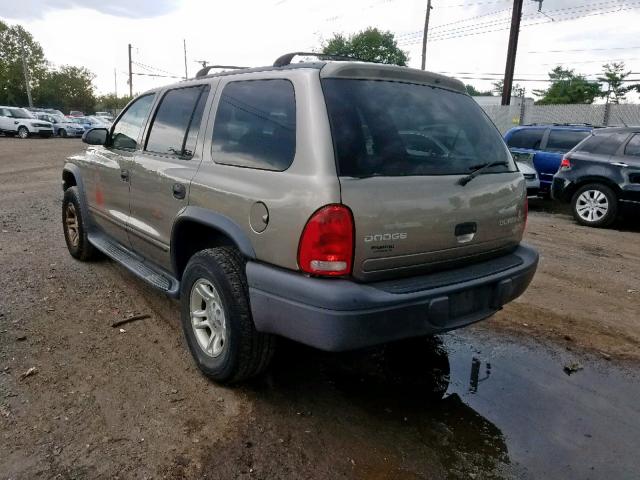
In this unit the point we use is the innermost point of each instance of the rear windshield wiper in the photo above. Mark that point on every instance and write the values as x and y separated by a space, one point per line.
478 169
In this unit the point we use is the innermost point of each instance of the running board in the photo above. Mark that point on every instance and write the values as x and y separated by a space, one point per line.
136 265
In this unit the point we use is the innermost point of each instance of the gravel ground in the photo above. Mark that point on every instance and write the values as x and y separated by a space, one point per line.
80 399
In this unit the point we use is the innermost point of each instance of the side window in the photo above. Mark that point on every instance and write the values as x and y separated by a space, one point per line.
177 121
528 138
126 131
603 143
564 140
255 125
633 147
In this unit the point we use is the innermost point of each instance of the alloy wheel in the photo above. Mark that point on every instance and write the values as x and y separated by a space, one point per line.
208 318
592 205
71 224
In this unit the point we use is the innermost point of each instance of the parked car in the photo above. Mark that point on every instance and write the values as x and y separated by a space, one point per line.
525 165
601 176
76 113
62 126
105 115
310 201
547 144
19 121
90 122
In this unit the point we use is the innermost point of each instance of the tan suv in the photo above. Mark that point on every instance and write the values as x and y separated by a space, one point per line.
340 204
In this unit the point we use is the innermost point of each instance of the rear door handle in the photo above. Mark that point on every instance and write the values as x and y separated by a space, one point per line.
179 191
124 175
619 164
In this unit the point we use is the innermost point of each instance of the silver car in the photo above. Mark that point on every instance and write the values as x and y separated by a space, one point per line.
338 204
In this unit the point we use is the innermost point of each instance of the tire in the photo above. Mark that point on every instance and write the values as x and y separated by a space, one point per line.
594 205
62 132
226 346
76 235
23 132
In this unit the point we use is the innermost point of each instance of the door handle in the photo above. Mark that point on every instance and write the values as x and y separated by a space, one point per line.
124 175
619 164
179 191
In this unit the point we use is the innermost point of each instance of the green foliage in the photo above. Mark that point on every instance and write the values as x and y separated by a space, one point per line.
474 92
14 40
568 87
66 88
613 75
111 103
517 90
371 45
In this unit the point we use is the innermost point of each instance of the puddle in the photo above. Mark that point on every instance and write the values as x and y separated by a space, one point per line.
464 405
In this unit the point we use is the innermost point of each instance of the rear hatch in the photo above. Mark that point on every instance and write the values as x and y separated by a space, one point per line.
403 152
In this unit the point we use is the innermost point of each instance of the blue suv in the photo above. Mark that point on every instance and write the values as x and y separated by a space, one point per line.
546 145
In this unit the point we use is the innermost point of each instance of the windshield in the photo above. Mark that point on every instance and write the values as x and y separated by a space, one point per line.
396 129
20 113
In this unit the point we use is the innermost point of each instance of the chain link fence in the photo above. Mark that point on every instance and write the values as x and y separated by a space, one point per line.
508 116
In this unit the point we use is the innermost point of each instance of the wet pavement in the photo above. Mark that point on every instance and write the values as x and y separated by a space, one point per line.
465 405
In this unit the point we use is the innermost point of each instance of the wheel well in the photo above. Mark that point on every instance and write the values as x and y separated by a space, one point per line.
190 237
587 180
68 180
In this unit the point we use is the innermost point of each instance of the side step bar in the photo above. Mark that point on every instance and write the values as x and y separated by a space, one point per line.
136 265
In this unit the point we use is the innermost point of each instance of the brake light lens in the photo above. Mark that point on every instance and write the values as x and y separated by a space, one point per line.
565 164
326 244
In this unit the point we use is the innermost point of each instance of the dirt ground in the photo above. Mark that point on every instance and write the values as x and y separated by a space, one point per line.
80 399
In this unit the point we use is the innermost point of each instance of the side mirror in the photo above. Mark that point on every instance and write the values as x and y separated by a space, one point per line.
95 136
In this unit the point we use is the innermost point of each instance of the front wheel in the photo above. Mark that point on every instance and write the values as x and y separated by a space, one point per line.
23 132
62 132
594 205
75 227
216 318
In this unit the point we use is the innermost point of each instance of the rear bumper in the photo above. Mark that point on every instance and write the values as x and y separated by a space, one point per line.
336 315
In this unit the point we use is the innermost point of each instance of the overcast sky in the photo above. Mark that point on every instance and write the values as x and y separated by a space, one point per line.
468 37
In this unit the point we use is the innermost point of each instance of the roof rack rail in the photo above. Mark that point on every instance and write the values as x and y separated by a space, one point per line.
205 70
285 59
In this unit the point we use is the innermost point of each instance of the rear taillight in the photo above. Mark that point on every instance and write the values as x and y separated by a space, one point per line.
565 164
326 244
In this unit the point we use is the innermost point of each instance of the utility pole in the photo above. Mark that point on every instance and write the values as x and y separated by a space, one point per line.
130 75
516 15
186 73
27 78
425 33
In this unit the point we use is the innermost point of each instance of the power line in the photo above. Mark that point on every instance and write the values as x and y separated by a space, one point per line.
585 49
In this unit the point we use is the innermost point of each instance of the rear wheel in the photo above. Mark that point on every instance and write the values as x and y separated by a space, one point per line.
23 132
216 318
594 205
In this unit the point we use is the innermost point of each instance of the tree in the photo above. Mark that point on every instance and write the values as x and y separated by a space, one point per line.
14 42
474 92
111 103
517 90
568 87
614 75
66 88
371 45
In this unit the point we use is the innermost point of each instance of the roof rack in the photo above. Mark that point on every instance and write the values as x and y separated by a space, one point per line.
285 59
205 70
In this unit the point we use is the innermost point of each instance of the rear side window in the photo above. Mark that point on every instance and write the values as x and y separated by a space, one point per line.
126 131
177 120
528 138
603 143
398 129
255 125
633 147
564 140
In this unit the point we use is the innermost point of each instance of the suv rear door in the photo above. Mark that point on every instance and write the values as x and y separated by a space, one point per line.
401 150
555 144
163 169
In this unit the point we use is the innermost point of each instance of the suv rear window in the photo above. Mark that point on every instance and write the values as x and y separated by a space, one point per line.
399 129
603 143
528 138
564 140
256 125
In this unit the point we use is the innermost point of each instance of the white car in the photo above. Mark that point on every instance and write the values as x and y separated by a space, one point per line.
62 126
18 121
531 177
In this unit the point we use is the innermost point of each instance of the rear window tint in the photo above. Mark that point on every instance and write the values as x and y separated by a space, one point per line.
633 147
255 125
603 143
394 129
529 138
564 140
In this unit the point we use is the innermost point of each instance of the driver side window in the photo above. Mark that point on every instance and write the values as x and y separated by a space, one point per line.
126 131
